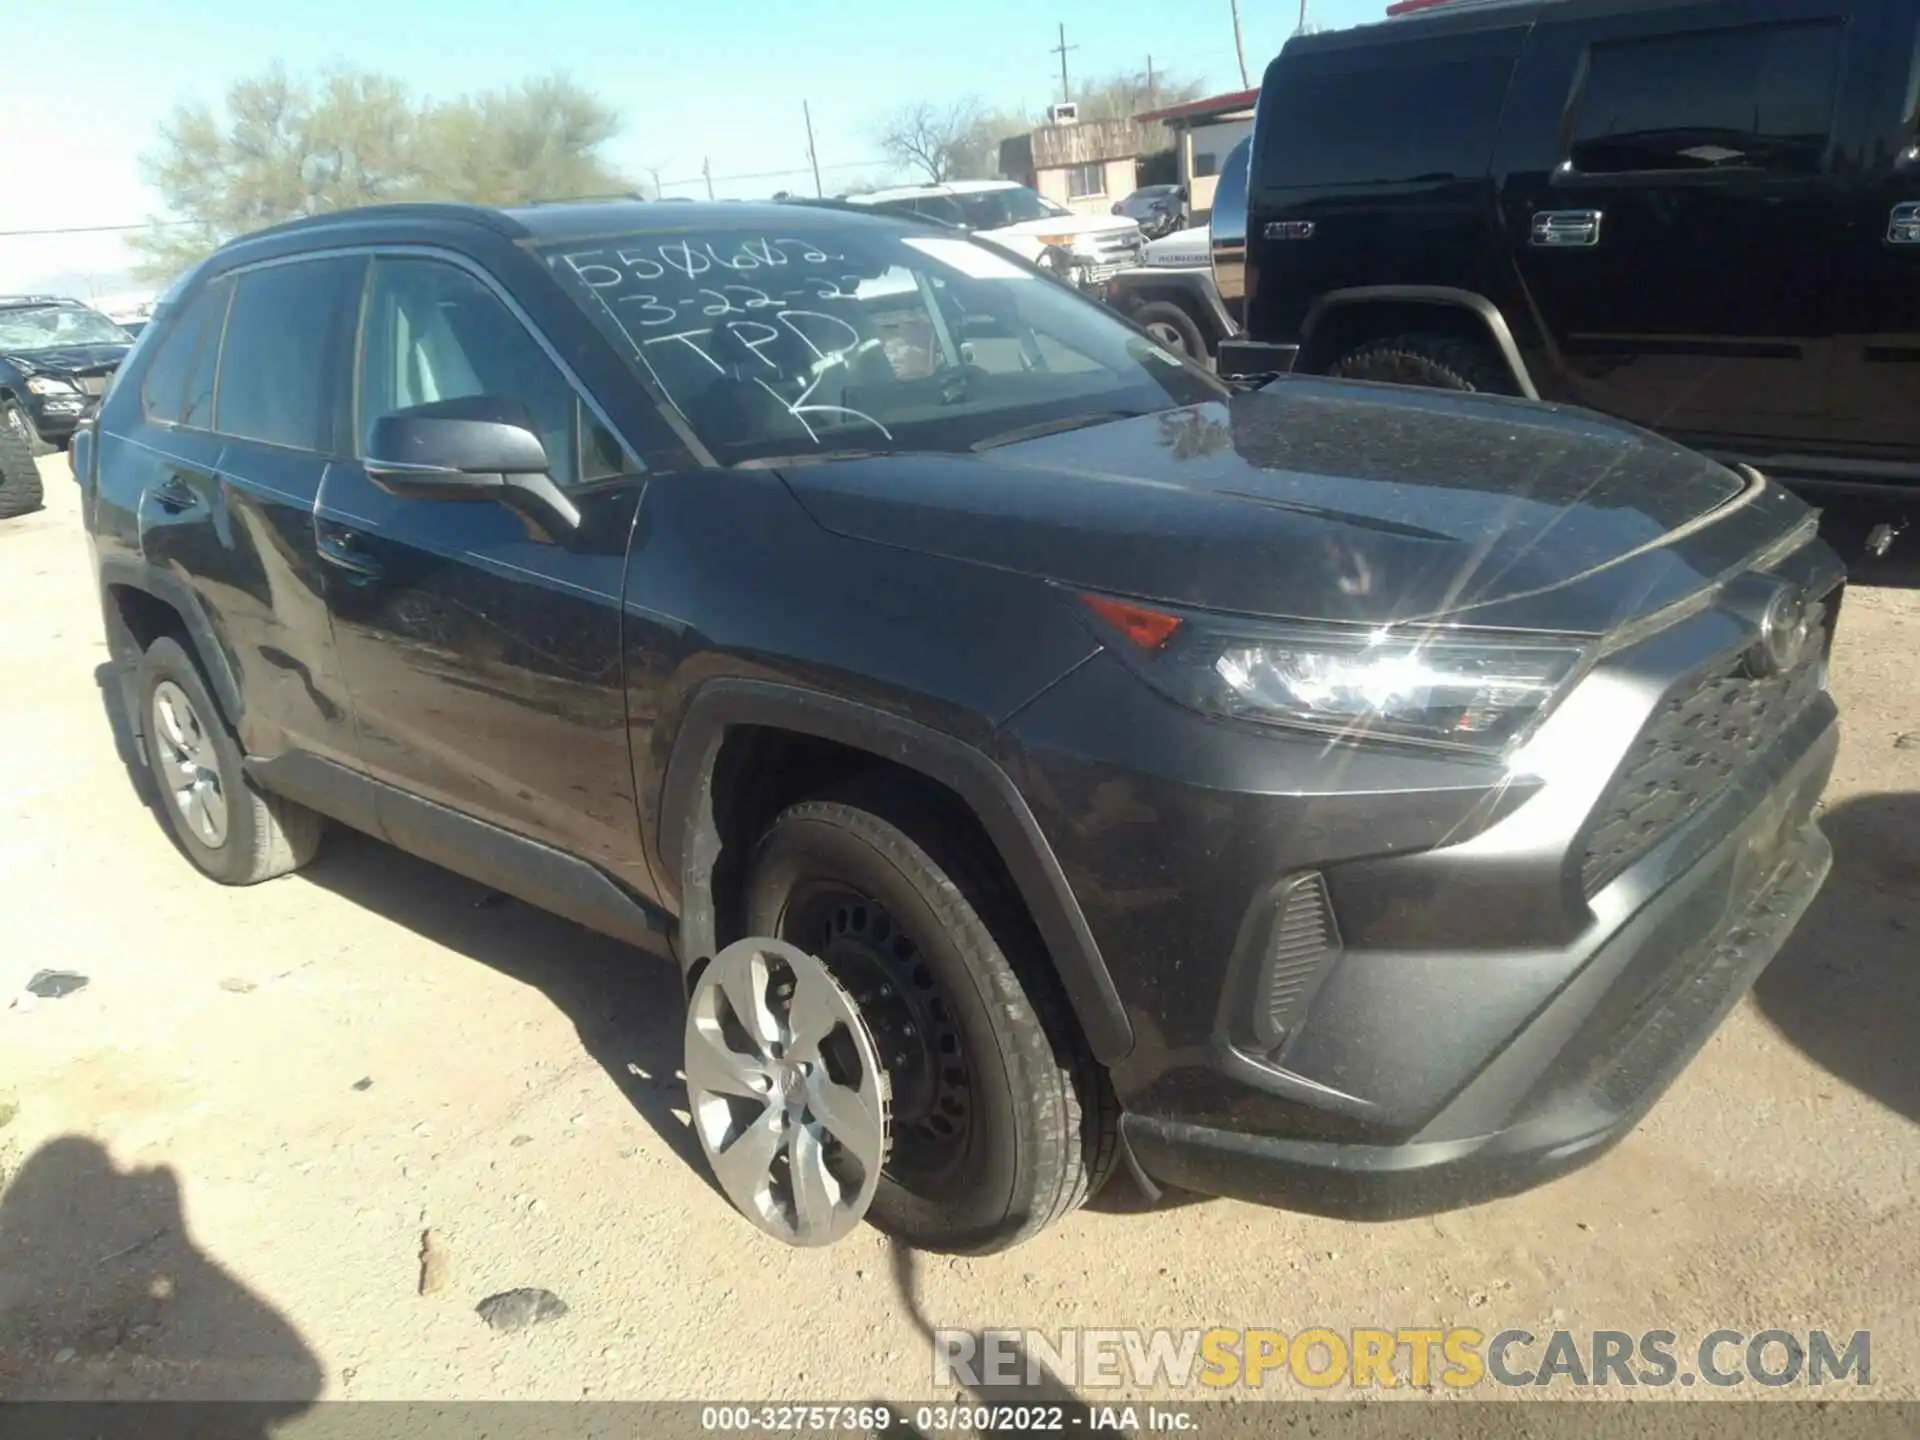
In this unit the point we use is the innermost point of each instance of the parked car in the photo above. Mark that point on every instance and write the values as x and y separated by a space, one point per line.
1704 218
55 356
1172 293
1157 209
1018 220
1035 754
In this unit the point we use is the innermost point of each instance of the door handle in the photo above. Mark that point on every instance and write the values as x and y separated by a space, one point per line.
338 551
1903 226
1566 229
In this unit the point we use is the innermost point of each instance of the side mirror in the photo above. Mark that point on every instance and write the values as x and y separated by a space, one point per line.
479 447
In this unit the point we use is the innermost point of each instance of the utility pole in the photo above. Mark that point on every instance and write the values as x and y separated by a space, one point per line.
1153 90
1066 92
655 173
1239 45
813 155
706 173
1303 18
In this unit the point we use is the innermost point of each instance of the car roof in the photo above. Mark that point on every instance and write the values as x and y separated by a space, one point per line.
557 221
20 302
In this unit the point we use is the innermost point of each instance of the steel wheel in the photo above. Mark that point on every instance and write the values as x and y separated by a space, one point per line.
786 1090
913 1027
189 765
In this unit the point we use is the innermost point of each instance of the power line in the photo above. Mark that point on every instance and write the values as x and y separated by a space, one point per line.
701 179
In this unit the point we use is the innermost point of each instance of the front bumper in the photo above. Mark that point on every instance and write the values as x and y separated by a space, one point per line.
56 417
1580 1075
1491 985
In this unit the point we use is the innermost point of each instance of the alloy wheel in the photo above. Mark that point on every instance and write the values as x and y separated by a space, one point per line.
786 1091
189 765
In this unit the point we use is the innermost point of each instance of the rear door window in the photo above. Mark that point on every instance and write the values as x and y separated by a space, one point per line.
286 363
178 388
1758 97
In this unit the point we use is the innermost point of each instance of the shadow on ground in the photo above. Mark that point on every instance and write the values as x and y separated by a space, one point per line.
1002 1376
103 1296
1846 989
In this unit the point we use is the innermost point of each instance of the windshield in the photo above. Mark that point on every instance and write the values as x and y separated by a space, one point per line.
854 337
47 327
997 209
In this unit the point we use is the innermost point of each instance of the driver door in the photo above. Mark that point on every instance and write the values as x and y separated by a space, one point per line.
481 649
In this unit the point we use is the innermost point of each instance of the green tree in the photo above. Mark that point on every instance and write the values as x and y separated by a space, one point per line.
282 147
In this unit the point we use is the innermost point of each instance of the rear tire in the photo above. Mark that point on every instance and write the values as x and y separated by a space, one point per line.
20 488
1173 328
1433 362
232 830
1033 1128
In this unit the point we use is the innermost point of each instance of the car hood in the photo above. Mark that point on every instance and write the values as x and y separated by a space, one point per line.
1312 499
66 359
1066 225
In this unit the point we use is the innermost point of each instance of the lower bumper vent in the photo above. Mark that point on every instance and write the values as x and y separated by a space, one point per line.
1305 939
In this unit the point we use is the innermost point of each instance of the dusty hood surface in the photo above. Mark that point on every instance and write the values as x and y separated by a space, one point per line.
1312 498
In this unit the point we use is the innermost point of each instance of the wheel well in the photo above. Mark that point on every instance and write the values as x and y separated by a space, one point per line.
142 618
1345 328
761 770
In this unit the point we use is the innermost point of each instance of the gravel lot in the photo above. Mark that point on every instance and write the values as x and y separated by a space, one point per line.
286 1138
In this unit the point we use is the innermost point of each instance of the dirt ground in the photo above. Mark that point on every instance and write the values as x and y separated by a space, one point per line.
286 1138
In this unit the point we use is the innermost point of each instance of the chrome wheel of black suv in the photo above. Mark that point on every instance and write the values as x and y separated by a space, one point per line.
1000 1122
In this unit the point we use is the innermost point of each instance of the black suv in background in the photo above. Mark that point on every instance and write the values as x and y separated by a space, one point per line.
1703 217
56 358
1033 752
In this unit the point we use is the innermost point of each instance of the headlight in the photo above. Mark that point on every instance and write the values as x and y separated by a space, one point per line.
49 385
1442 688
1066 240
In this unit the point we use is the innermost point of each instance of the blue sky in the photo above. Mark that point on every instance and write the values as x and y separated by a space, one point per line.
701 79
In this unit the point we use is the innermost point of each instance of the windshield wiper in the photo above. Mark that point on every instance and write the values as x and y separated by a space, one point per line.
1055 427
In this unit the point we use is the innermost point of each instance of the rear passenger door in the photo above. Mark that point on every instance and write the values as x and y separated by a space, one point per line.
258 409
482 649
1676 229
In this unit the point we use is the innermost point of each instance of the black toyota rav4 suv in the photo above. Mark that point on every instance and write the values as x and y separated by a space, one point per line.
1699 215
1036 755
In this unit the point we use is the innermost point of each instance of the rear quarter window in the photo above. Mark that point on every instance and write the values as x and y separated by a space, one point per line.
1406 113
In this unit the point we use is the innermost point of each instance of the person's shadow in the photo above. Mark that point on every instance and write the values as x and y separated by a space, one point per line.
1846 988
105 1297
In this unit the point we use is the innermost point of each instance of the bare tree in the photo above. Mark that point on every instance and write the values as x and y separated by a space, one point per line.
1126 93
932 140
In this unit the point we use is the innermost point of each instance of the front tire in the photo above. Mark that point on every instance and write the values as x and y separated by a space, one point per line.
1001 1120
1432 362
233 831
14 417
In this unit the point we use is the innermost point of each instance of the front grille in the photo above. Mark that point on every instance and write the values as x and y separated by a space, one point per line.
1693 745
